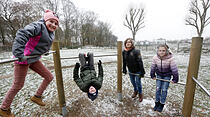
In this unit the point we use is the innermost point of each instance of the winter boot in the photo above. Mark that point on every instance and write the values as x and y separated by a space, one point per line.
140 97
157 104
6 113
134 94
160 107
37 100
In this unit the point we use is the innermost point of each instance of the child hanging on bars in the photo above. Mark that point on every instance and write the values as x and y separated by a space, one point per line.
35 39
164 66
88 82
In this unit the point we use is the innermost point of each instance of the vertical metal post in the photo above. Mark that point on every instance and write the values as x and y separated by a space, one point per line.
119 70
195 54
59 78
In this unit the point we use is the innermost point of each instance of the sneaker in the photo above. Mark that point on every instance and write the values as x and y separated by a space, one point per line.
134 94
37 100
6 113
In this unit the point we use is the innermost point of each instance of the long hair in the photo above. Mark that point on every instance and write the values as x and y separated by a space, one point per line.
165 46
132 42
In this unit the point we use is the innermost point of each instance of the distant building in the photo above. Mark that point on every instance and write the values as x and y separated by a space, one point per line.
142 43
160 41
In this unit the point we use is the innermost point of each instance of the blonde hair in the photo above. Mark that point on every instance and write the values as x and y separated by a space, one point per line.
131 42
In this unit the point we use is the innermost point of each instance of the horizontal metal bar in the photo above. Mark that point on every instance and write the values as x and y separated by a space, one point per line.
50 52
181 83
94 56
8 60
16 59
201 86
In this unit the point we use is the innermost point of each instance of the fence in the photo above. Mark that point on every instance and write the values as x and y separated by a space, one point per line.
190 85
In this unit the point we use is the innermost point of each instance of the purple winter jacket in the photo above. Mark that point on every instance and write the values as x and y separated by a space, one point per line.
164 67
34 39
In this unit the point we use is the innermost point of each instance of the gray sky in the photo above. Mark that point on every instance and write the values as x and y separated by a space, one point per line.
163 19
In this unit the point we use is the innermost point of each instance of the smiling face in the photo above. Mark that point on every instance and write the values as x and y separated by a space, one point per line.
92 89
128 44
161 51
52 25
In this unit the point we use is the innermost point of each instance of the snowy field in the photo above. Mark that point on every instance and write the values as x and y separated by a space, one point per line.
106 105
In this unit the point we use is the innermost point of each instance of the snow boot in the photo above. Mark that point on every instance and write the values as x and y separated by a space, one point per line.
37 100
160 107
6 113
140 97
157 104
134 94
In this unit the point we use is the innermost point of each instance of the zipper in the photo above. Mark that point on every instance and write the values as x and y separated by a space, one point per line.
161 65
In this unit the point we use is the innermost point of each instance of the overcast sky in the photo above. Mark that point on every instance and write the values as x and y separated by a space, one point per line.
163 19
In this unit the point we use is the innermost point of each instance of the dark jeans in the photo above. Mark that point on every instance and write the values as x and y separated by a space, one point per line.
136 82
161 89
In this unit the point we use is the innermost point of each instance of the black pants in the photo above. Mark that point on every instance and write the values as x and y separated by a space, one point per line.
86 61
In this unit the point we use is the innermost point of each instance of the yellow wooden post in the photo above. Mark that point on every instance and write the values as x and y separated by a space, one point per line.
59 78
194 61
119 70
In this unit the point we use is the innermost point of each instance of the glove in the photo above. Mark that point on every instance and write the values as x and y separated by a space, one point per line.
77 65
24 58
99 63
124 71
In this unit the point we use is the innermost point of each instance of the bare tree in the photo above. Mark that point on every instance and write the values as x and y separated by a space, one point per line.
198 15
87 21
134 20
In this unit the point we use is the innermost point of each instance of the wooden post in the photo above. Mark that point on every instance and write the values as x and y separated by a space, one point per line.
195 54
59 78
119 70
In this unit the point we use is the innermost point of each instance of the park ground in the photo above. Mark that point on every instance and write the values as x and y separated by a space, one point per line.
107 104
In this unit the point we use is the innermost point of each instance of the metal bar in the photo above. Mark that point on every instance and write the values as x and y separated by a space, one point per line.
8 60
16 59
201 86
181 83
94 56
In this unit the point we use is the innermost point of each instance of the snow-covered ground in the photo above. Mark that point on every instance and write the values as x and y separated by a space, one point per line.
107 103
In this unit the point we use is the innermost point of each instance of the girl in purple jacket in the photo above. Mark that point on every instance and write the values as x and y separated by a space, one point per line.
163 67
35 39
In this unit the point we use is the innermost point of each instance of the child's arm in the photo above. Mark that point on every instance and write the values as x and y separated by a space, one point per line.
100 72
174 70
76 77
139 60
124 63
153 67
22 37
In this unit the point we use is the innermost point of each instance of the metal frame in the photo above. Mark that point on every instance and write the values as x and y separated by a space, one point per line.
201 86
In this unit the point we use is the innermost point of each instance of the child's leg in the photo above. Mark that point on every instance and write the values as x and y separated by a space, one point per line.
82 59
133 82
20 72
164 90
39 68
90 60
138 83
158 90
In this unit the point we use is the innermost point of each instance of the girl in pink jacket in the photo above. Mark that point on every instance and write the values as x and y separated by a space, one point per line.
35 39
163 67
